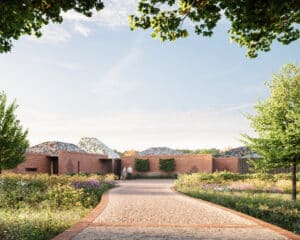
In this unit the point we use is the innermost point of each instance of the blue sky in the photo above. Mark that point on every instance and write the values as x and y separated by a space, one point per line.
95 77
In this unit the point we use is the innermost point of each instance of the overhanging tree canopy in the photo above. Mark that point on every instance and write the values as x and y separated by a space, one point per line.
255 24
27 17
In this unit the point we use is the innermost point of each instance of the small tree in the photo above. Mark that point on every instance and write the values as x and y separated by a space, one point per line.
13 142
277 124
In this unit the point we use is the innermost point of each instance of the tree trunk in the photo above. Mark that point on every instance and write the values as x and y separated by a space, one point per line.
0 169
294 181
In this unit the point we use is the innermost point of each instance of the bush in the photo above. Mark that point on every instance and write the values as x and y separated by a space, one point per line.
167 165
38 207
140 176
141 165
262 196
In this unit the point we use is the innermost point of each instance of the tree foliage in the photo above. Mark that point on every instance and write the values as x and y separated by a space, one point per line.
213 151
277 122
13 143
141 165
29 16
167 165
255 24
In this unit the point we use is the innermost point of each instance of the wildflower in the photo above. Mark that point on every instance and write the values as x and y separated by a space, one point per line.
22 183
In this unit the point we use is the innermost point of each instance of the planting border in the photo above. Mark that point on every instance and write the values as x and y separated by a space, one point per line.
84 222
279 230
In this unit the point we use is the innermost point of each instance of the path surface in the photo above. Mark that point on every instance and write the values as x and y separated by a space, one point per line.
149 209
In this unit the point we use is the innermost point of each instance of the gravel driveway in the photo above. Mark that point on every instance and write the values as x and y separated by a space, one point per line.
149 209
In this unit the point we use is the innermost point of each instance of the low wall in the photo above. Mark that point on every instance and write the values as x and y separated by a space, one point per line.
184 163
230 164
88 163
37 161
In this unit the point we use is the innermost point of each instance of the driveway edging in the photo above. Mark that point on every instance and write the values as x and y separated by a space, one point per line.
86 221
279 230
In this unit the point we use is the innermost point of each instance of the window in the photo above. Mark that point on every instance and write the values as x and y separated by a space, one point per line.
31 169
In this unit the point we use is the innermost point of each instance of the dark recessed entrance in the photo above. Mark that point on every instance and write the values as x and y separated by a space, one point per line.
53 165
106 166
118 166
111 166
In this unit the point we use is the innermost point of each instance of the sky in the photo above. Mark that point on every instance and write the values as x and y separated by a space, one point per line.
94 77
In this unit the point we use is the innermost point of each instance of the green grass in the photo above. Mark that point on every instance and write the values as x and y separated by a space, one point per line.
275 208
39 207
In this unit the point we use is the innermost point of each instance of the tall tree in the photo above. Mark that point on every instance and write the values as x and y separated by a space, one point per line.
13 142
277 124
255 24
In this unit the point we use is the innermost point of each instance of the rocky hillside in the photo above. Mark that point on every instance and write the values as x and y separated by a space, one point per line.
94 145
52 148
159 151
236 152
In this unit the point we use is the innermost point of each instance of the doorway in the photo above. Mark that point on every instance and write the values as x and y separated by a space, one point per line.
53 165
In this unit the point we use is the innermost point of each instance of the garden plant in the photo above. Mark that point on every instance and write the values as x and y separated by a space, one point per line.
264 196
38 207
141 165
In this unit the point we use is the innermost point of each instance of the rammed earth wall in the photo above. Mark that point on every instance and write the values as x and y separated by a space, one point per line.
183 163
34 160
88 163
68 162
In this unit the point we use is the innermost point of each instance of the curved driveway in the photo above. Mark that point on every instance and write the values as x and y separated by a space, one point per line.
149 209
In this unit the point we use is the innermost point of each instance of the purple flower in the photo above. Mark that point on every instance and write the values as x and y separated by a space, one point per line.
86 184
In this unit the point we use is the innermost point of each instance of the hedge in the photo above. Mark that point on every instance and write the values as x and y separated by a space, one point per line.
141 165
167 165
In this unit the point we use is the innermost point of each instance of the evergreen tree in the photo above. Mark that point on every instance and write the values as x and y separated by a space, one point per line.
277 124
13 142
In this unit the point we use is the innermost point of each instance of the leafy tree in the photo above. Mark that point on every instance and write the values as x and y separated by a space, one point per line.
277 124
13 141
213 151
19 17
255 24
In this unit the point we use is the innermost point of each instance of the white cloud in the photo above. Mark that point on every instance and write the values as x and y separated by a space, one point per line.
140 129
115 14
52 34
82 29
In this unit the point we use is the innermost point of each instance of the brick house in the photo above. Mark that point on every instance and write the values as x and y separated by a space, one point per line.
92 156
64 158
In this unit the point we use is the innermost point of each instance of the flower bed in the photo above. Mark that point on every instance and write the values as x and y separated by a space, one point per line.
260 195
40 207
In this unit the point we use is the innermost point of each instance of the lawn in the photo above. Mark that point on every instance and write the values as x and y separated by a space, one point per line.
263 196
38 207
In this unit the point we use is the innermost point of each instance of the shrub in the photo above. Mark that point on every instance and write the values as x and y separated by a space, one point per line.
35 207
262 196
167 165
165 176
141 165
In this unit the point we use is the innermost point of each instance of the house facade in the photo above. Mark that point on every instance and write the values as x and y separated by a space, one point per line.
92 156
65 158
